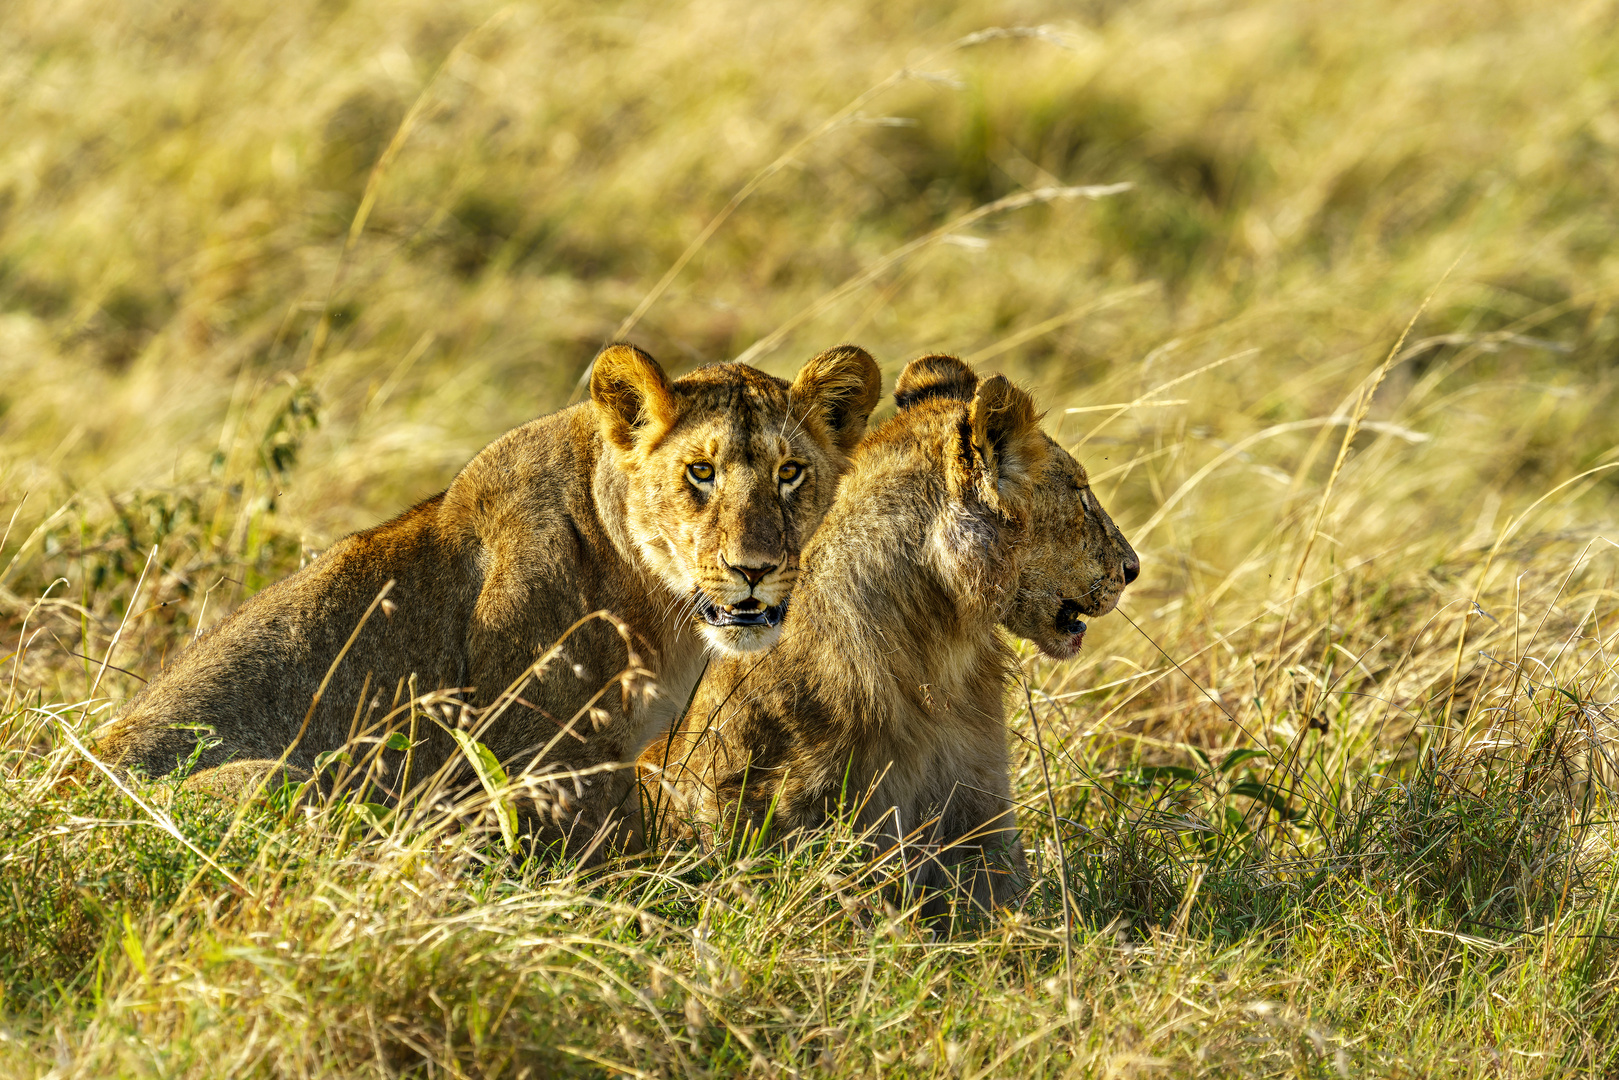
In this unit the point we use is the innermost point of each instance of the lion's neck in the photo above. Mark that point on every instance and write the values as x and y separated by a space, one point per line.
910 644
609 490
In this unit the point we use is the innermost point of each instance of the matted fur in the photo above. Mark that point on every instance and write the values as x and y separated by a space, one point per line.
884 698
591 509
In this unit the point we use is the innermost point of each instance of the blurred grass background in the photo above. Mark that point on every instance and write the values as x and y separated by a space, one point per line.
1341 362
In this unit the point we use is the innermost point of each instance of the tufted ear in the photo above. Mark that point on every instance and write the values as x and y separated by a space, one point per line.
1001 449
632 395
838 389
936 376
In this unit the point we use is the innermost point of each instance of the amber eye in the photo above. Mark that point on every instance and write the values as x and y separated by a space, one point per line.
700 472
789 472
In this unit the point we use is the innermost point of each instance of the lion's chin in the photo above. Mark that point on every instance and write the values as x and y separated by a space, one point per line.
738 640
1065 647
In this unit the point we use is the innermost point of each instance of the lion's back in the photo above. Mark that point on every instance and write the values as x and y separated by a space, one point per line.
252 676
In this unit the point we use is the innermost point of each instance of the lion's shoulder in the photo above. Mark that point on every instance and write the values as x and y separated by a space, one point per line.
544 465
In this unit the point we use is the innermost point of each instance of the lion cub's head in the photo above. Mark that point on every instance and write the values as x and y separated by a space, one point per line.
1076 562
1072 560
729 471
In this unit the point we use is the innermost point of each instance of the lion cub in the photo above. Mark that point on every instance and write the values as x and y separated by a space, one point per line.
564 589
884 696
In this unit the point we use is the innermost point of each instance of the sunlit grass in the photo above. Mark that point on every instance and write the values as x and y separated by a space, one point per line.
1378 559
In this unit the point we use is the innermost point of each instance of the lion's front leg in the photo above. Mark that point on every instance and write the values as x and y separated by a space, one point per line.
979 847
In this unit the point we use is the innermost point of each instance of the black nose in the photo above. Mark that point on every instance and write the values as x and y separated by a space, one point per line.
1132 568
752 574
1068 620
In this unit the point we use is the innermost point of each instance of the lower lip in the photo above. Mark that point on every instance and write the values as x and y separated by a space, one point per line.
1066 647
1063 648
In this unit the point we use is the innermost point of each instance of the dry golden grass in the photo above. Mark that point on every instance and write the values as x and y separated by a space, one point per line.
1341 360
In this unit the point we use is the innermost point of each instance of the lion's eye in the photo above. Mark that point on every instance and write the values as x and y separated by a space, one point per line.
700 472
789 472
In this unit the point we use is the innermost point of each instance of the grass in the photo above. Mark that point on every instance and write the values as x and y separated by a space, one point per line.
1331 790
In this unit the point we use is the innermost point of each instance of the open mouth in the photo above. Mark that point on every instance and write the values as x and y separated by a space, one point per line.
1070 624
748 612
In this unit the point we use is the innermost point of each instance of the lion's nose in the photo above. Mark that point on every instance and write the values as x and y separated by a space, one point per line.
1132 568
752 574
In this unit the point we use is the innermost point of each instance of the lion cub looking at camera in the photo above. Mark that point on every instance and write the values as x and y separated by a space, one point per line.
884 696
679 508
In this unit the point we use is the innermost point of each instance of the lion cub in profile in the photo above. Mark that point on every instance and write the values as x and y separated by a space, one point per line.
884 696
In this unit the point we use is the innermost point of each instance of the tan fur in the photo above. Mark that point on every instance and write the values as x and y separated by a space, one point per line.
884 697
591 509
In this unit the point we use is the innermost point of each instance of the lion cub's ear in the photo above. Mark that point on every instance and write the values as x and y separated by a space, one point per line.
837 390
632 395
1002 447
936 376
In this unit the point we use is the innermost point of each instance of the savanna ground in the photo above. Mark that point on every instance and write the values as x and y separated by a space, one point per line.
1327 796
